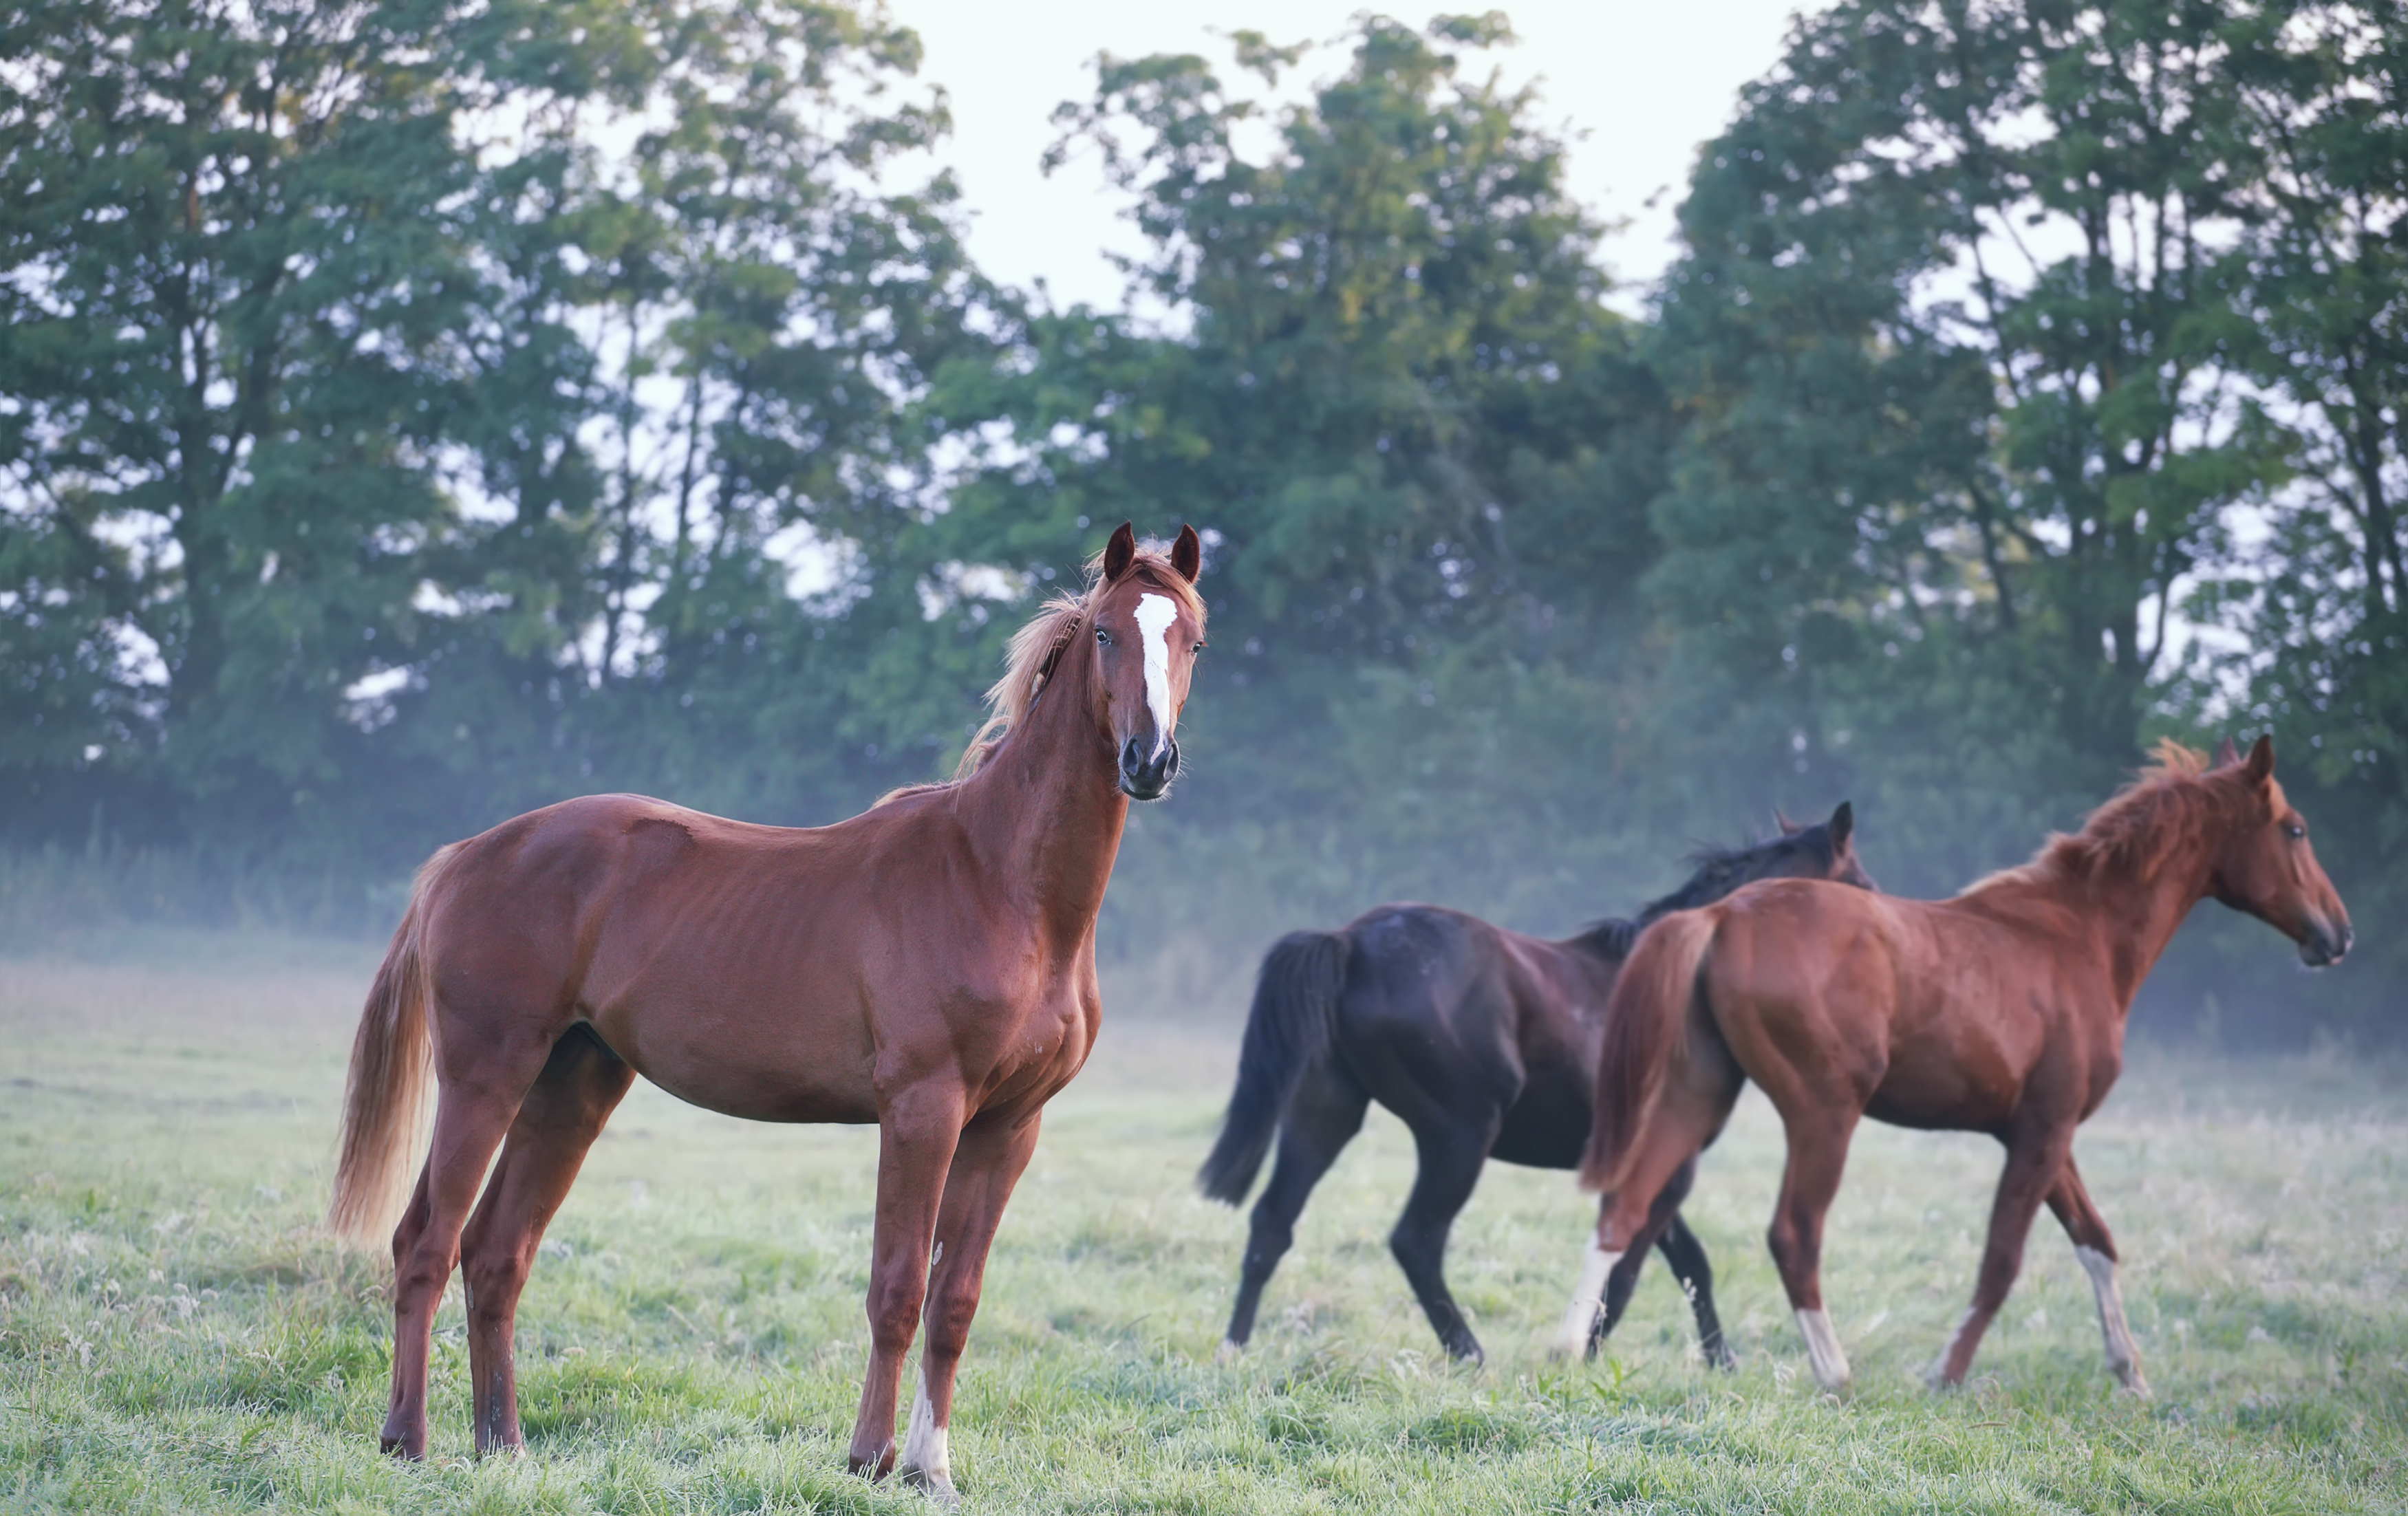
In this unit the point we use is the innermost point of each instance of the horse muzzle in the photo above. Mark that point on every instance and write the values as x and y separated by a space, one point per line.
1147 778
2325 945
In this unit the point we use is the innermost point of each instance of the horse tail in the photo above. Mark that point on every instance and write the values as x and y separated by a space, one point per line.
1287 1031
1643 1021
385 1099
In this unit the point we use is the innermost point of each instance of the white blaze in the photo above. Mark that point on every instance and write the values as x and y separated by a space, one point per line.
1588 1300
1154 614
1823 1351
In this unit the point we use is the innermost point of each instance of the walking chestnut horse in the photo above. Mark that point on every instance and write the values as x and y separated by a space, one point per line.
929 966
1485 1042
2000 1010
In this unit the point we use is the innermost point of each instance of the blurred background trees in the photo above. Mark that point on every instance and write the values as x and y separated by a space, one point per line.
415 413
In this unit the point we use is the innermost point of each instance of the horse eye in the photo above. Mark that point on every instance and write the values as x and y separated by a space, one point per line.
2294 831
1198 648
1103 638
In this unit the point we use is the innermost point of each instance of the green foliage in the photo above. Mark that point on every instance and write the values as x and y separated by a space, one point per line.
1968 409
1420 444
412 415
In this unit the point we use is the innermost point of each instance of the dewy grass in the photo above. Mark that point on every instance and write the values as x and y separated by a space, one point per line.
175 1333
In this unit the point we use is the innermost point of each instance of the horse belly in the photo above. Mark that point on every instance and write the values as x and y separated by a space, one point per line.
764 1066
1941 1092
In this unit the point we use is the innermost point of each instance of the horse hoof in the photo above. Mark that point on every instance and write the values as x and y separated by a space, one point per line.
936 1486
1229 1352
2130 1379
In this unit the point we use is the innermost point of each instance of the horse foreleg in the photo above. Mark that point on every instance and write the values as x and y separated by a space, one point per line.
2096 1247
2034 1161
561 1115
469 1121
917 1133
1819 1154
1451 1152
986 1168
1322 1117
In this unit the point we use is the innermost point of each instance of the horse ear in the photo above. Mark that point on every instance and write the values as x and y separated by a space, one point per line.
1788 827
2262 760
2227 755
1187 554
1842 822
1120 553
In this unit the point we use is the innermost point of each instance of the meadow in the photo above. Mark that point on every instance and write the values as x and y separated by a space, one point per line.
176 1333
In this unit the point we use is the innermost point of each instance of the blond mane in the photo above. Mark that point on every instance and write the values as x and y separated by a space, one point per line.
2133 827
1031 654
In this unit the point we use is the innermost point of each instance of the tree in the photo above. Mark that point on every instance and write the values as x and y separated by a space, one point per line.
1967 405
1421 444
240 253
405 414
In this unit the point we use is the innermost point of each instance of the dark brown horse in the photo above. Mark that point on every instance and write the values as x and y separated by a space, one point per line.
2000 1010
1485 1042
928 966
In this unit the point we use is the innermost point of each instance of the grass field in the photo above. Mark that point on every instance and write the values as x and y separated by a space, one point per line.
176 1334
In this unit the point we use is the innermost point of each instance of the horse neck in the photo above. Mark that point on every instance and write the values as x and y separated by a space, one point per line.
2137 913
1046 809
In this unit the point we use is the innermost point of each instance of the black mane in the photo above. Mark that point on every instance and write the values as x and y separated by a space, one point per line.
1716 872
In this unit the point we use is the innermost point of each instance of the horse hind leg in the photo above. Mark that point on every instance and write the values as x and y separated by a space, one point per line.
1685 1256
581 1083
470 1118
1818 1155
1453 1152
1687 1116
2096 1249
1322 1117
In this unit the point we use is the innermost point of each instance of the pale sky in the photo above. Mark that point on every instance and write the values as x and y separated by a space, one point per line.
1634 87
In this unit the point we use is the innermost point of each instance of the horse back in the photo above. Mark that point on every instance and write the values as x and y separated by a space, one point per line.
1931 1014
781 974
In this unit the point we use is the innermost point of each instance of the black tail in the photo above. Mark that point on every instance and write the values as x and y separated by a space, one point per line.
1288 1032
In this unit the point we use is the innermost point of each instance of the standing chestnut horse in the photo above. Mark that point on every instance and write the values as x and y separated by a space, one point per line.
929 966
1485 1042
2000 1010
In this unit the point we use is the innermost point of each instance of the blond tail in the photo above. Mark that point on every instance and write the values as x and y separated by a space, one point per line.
1643 1023
385 1102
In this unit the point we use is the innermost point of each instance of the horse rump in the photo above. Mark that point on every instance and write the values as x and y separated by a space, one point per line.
1287 1031
1643 1024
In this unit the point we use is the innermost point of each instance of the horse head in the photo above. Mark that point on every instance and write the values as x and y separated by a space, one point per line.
1823 851
1147 623
2265 867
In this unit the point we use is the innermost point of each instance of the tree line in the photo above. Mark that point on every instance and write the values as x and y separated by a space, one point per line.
411 414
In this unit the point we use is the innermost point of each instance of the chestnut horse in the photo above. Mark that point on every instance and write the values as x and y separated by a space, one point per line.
2000 1010
929 966
1485 1042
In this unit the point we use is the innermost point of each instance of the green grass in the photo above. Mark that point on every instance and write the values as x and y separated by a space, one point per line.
176 1334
